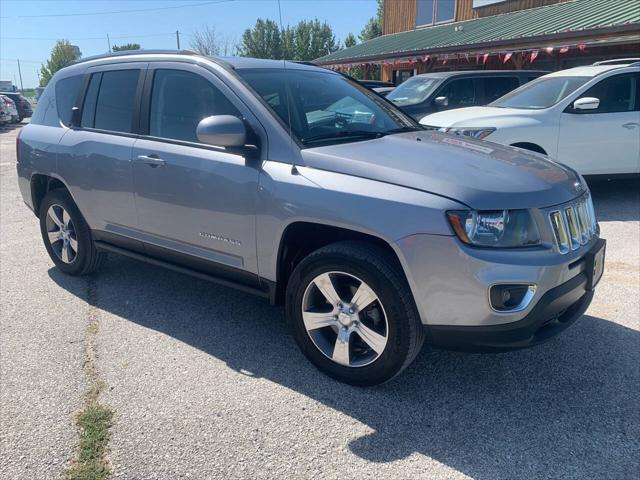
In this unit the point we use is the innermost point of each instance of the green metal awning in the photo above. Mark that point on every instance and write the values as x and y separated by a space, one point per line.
575 19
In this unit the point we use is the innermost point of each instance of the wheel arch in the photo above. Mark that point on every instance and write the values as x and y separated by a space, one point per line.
534 147
43 183
300 238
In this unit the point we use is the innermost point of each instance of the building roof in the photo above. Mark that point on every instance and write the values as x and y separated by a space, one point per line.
566 19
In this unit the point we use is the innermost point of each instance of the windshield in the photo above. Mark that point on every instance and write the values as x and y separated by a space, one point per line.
325 107
543 92
413 91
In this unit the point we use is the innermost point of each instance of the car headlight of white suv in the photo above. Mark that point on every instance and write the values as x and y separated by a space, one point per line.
478 133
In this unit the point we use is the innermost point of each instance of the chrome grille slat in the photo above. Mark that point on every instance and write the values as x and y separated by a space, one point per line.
573 224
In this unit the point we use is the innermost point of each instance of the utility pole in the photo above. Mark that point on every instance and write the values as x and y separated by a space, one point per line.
178 39
109 42
20 73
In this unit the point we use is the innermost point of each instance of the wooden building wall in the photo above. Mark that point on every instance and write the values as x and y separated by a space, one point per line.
400 15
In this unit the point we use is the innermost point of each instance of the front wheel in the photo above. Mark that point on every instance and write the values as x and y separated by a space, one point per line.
353 313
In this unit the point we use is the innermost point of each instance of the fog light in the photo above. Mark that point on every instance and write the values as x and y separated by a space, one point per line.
511 298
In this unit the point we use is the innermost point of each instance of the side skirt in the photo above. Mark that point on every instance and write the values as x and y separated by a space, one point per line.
265 290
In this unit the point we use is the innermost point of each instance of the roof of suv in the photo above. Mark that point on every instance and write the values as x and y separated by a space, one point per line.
233 62
464 73
588 71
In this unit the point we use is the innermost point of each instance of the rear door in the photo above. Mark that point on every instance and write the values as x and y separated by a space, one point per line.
605 140
95 155
196 203
496 87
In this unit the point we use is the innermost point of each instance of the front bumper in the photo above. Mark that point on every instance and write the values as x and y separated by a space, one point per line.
556 310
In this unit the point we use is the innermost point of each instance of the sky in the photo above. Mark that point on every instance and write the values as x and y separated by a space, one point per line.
29 29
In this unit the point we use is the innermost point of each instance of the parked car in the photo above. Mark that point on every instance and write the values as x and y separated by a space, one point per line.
433 92
5 113
585 117
373 84
22 104
13 111
384 91
297 184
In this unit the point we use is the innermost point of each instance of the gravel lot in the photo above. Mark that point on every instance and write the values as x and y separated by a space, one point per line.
206 382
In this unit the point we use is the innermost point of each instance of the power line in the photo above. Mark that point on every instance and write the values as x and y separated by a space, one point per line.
89 38
113 12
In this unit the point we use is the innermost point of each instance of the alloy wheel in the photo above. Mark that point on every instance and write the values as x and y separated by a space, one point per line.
345 319
61 234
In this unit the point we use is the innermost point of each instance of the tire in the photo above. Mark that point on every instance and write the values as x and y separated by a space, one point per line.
346 264
81 257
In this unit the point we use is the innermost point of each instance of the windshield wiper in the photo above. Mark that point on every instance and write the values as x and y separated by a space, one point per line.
405 129
344 134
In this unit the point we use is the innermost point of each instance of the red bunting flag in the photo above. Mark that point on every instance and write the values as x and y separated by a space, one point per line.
533 56
564 49
549 50
445 60
507 57
582 47
426 59
485 57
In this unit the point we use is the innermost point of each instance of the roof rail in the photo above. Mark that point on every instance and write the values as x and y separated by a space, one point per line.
618 61
135 52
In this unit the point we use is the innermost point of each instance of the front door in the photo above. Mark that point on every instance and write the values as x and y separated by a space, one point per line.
194 201
607 139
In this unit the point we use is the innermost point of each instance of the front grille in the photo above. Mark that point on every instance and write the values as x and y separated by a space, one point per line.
573 224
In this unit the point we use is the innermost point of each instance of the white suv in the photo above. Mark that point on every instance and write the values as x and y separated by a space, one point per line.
586 117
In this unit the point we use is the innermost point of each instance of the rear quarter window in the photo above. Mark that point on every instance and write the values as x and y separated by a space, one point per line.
67 90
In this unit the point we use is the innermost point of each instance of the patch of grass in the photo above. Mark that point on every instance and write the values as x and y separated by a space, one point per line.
93 423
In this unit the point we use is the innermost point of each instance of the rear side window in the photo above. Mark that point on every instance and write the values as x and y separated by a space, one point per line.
179 100
90 101
67 91
110 101
496 87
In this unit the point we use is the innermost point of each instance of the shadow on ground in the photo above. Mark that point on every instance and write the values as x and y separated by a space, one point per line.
616 199
566 409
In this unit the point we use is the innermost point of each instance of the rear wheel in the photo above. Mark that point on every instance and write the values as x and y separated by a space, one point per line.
353 313
66 235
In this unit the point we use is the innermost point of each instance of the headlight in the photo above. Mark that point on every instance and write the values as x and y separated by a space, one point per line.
478 133
495 228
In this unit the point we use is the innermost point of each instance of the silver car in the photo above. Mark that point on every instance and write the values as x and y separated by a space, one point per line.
296 184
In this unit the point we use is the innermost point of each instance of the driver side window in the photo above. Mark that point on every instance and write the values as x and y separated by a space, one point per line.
179 100
618 93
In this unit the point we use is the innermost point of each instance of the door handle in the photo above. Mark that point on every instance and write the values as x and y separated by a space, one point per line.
152 160
630 125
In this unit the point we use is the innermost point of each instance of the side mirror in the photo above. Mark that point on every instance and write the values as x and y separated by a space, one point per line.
441 102
586 103
222 131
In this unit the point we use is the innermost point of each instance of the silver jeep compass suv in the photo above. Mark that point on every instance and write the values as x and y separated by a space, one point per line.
294 183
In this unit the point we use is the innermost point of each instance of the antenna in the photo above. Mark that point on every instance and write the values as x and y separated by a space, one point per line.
294 170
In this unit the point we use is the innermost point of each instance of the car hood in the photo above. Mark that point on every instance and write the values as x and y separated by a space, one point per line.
471 117
482 175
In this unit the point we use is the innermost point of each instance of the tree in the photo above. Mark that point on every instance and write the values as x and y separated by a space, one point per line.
207 41
63 54
126 46
264 40
306 41
373 28
350 40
